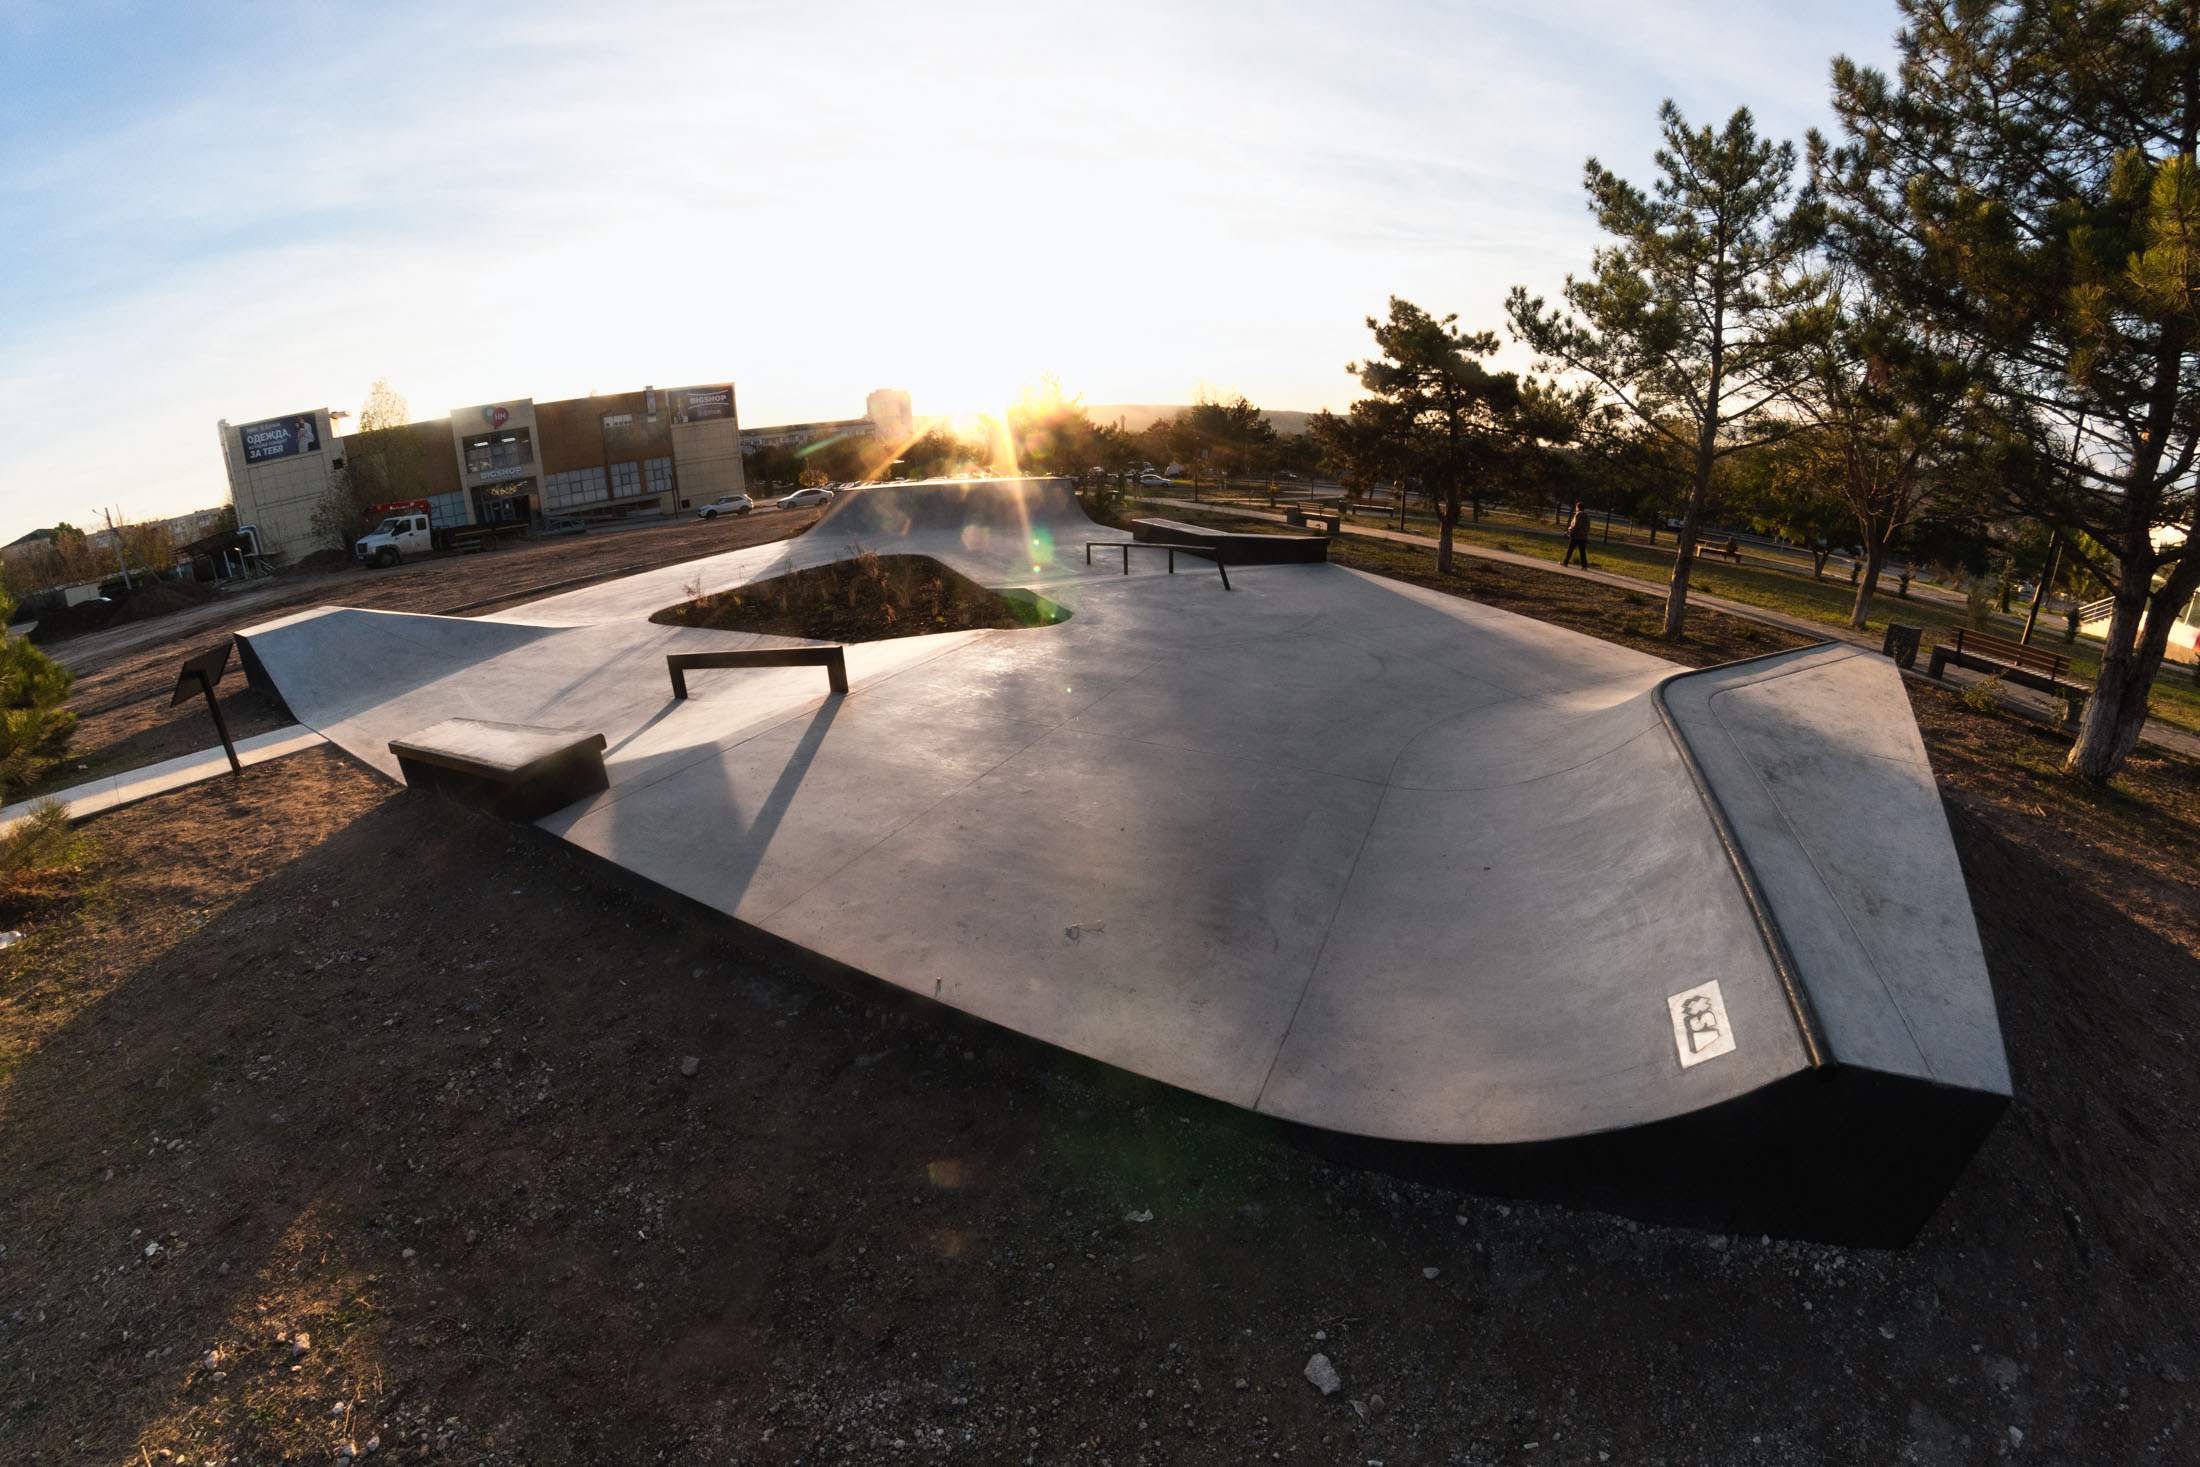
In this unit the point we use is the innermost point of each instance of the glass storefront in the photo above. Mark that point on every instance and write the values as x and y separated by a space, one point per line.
505 504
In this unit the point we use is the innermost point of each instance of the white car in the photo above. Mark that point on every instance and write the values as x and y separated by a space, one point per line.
726 504
804 498
1154 481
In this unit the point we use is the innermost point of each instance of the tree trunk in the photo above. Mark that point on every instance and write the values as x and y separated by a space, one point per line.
1684 559
2039 587
2117 712
1818 564
1445 521
1875 549
2131 655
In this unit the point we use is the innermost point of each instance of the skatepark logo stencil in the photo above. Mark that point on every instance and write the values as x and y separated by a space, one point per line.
1700 1030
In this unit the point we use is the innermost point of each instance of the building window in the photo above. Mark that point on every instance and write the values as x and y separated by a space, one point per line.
626 479
573 486
511 448
657 473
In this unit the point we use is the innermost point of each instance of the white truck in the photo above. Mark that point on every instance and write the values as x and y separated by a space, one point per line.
404 530
407 528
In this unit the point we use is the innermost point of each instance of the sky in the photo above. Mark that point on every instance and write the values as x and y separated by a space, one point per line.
236 211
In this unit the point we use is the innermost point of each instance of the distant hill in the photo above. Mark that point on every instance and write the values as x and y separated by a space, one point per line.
1137 416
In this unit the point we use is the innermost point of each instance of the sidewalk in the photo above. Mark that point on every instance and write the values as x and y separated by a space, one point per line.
2037 706
132 785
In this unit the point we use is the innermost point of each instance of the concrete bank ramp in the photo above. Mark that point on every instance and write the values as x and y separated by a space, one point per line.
963 508
1437 886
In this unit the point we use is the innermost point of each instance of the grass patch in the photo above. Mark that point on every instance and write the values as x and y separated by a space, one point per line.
42 861
868 599
1984 695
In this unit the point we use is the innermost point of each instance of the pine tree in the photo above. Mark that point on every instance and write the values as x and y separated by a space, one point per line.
33 725
1454 423
1684 322
2028 184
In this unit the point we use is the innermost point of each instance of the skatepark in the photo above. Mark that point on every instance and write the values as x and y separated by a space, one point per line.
1457 890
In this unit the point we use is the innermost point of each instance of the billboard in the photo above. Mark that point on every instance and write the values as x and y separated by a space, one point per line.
701 404
275 438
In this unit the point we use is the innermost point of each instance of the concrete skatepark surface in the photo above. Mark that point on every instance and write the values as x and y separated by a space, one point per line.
1377 862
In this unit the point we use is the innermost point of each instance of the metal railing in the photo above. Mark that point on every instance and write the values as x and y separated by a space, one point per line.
1127 546
832 659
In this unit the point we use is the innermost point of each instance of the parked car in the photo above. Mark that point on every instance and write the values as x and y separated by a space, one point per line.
1154 481
726 504
562 527
804 498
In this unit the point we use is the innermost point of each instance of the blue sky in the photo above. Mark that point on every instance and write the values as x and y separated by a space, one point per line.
240 210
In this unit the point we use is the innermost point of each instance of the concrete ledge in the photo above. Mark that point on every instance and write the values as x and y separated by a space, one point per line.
516 771
1233 547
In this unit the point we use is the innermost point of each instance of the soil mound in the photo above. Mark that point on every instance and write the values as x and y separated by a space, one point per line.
868 599
160 599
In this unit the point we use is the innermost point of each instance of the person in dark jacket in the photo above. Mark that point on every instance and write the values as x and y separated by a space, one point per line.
1577 537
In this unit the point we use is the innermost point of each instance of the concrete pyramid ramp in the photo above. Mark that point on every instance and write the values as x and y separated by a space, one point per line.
1426 882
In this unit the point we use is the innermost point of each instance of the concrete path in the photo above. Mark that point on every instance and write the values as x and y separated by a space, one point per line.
116 790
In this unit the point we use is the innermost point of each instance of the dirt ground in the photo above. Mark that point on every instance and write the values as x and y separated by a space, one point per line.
336 1120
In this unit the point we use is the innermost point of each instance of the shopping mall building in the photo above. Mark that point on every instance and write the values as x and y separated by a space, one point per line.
604 456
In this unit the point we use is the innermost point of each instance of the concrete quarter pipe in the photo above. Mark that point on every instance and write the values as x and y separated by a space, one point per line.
1444 888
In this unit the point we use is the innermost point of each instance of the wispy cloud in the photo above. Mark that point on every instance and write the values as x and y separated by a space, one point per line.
233 211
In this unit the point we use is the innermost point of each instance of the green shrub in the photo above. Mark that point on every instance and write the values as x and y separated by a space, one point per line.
1985 694
40 841
34 728
1978 605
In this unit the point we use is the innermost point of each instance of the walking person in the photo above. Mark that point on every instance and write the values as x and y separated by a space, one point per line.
1577 537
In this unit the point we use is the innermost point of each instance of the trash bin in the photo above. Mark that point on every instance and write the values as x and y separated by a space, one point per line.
1902 642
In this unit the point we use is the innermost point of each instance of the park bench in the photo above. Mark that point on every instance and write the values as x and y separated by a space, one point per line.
1729 547
1998 656
513 770
1330 520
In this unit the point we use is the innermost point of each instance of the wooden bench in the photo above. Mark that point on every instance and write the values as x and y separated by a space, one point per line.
1998 656
1728 547
511 770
